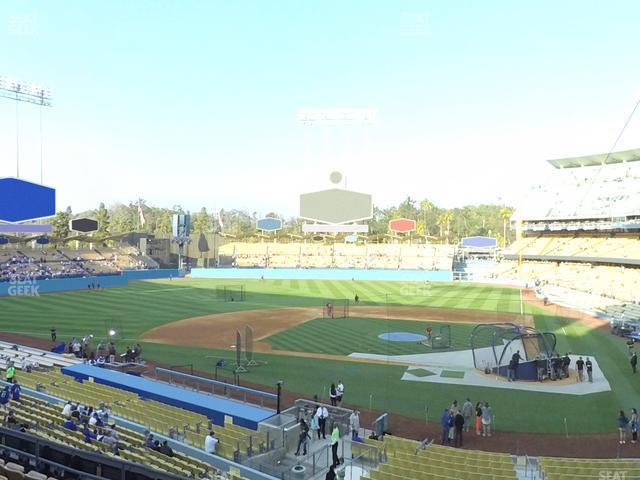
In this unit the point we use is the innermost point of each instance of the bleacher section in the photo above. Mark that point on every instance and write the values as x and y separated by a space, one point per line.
45 420
585 192
584 469
18 264
156 416
339 255
407 460
608 282
588 247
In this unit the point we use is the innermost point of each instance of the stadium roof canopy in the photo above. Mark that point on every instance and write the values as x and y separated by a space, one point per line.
600 159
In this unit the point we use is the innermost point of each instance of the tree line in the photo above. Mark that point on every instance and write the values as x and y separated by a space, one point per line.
433 223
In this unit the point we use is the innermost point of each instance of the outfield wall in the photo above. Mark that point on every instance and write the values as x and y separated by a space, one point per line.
323 274
30 288
35 287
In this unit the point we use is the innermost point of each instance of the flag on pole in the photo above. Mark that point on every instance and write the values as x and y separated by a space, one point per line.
220 219
141 215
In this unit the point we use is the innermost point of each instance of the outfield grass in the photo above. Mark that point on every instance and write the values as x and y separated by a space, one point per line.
143 305
340 336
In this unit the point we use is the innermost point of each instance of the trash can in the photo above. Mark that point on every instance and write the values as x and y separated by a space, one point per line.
298 472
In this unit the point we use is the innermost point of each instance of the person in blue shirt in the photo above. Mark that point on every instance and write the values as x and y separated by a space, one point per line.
15 392
445 426
88 434
69 424
4 397
623 423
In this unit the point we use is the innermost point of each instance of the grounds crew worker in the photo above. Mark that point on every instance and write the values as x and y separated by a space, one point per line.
11 373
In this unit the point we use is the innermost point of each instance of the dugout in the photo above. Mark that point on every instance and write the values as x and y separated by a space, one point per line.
494 344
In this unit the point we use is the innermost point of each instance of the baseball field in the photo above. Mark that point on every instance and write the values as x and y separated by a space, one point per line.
185 321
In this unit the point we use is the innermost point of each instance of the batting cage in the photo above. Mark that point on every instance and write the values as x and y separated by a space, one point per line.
335 308
439 338
230 293
495 344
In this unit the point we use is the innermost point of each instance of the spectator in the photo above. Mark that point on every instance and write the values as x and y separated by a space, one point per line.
149 441
11 373
333 395
623 423
331 474
303 438
444 422
323 414
66 410
4 397
633 361
541 366
69 424
165 449
210 443
580 367
94 420
511 375
354 423
516 362
89 435
452 427
459 425
314 425
566 362
589 366
340 392
478 418
633 425
335 437
16 389
467 413
487 418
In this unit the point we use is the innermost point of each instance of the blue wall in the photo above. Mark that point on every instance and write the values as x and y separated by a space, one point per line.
31 288
214 408
324 274
60 284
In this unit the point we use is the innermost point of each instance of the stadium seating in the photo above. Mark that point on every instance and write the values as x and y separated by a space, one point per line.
45 420
585 193
407 459
339 255
579 469
157 417
590 247
608 282
45 263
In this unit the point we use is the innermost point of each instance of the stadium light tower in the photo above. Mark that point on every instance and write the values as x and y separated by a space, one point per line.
25 92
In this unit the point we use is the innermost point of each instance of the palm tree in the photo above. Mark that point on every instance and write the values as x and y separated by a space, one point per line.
448 218
444 222
505 215
426 206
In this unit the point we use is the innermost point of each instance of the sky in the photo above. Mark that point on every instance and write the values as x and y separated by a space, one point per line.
196 103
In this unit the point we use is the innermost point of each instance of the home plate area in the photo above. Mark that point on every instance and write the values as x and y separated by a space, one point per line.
457 368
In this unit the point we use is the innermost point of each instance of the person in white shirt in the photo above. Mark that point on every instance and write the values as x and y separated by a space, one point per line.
340 392
210 443
354 423
66 410
322 413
